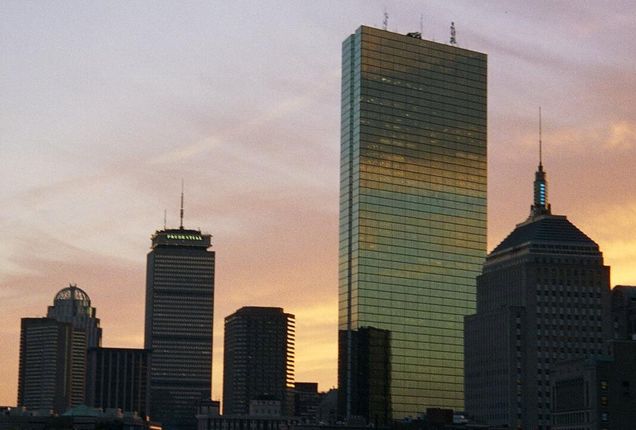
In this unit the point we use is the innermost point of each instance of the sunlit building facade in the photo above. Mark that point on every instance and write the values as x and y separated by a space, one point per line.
178 327
412 209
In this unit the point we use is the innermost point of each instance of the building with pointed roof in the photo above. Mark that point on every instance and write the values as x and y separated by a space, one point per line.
543 297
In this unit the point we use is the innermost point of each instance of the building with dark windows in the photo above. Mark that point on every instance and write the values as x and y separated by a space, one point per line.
624 312
178 326
306 401
53 352
44 380
370 384
72 305
543 298
597 393
117 378
258 360
412 209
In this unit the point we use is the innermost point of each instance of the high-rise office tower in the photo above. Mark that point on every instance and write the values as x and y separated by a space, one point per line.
58 343
44 380
412 209
258 361
73 305
543 298
178 327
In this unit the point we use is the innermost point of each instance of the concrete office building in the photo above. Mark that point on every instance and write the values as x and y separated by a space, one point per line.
412 209
543 298
117 378
73 305
44 380
178 326
53 352
597 393
258 360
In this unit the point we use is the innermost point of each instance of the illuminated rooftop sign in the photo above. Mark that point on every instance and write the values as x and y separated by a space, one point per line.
184 236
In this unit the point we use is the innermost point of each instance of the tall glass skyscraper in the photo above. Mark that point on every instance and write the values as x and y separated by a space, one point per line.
178 331
412 209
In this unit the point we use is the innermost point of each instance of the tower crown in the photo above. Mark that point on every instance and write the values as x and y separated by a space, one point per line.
540 205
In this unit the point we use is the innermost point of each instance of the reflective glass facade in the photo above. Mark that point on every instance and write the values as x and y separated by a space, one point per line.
412 206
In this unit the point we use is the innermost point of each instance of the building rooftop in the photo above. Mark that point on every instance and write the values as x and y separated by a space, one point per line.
545 229
72 292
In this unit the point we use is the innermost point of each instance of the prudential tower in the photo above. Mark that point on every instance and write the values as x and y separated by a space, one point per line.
178 329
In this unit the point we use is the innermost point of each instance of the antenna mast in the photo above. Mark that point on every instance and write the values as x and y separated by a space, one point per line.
421 23
385 21
453 34
540 140
181 226
165 216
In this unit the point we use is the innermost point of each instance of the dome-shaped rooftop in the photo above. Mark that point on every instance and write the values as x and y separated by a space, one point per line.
72 292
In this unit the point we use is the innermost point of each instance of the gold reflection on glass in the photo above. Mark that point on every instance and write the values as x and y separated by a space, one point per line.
412 206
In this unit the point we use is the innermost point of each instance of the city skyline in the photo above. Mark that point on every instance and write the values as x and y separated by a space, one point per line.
97 132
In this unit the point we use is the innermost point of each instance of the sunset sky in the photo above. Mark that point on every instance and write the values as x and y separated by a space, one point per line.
107 105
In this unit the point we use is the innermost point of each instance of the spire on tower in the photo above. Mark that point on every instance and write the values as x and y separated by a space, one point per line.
540 142
540 205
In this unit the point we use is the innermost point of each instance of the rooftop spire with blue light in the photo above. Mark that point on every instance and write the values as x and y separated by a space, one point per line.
540 205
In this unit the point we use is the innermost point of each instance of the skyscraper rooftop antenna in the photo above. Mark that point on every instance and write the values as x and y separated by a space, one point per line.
385 21
165 217
540 140
453 34
421 23
181 212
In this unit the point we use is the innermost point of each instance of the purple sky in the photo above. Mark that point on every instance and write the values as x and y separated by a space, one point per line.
107 105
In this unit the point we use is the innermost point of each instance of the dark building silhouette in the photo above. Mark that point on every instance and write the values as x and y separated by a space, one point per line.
306 401
624 312
258 359
543 298
53 352
44 380
598 392
370 384
178 327
117 378
412 208
80 417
